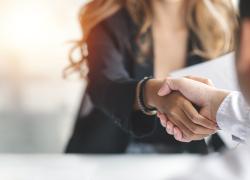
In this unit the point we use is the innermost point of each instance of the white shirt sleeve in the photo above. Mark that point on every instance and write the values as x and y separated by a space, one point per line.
233 116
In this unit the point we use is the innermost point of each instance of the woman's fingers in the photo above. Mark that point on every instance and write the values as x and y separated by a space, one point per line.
166 123
177 134
185 140
170 128
196 118
163 119
178 122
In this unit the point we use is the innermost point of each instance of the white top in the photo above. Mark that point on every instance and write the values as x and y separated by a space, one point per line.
233 116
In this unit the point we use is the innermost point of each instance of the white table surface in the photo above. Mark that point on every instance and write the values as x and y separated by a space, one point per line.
74 167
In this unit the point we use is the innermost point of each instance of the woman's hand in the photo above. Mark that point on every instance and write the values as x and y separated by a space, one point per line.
179 111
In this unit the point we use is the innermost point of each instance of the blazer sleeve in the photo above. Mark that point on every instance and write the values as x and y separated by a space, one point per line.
110 85
245 8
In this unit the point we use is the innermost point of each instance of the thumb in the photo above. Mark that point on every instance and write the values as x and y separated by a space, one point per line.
197 92
165 89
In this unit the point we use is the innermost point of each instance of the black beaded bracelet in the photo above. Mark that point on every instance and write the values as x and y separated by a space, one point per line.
141 98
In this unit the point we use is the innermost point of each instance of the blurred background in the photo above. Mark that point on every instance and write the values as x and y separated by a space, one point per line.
37 106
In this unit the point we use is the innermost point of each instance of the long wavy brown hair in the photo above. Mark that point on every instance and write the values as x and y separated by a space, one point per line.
213 22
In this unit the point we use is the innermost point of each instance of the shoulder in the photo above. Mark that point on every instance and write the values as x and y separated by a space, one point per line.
120 23
118 26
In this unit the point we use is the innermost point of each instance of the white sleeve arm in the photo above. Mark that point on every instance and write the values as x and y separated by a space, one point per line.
233 116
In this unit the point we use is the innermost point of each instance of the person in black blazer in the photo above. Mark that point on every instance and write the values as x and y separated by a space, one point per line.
125 43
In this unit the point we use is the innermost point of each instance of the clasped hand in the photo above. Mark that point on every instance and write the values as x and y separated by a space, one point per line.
177 111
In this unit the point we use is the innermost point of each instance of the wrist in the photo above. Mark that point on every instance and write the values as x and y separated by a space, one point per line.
217 98
151 89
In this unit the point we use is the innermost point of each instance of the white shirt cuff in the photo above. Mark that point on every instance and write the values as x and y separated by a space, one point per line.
233 116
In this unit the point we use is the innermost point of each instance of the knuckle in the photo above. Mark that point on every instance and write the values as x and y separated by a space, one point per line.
206 81
189 138
181 102
192 137
194 117
172 112
186 103
181 98
194 129
189 135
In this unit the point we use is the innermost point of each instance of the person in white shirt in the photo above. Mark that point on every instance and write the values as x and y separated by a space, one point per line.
229 110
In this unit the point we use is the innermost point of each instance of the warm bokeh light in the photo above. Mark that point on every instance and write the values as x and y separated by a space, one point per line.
26 24
37 31
36 103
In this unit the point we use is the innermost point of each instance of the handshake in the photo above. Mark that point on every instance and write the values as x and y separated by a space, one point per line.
186 107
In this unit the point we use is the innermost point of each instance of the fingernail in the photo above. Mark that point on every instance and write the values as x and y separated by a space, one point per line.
167 131
186 141
164 124
161 92
175 134
179 136
164 90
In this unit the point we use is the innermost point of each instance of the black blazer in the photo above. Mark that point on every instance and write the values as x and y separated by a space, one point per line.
106 122
245 8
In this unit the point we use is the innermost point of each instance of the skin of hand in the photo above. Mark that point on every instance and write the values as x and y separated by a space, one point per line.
243 59
180 111
198 91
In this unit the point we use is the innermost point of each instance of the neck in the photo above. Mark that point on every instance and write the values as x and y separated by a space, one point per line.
170 13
